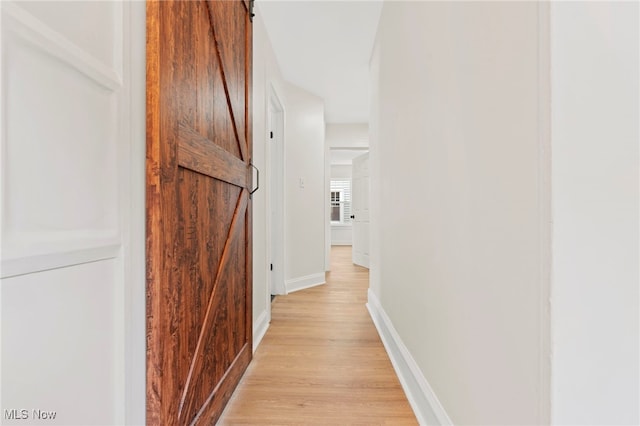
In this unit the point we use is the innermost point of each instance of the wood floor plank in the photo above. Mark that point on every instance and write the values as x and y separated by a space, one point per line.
321 361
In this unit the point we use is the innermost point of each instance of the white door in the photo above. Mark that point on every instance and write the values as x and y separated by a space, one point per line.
72 213
360 210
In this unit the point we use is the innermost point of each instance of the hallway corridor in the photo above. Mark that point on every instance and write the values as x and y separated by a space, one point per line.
321 361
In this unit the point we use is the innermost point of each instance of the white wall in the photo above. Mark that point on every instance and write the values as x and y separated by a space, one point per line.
595 137
73 291
347 135
341 235
341 171
304 157
305 205
457 254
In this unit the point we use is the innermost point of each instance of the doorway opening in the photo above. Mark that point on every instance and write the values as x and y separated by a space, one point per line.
346 187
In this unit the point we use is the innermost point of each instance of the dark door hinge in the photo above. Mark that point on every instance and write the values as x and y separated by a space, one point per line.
251 6
271 267
270 135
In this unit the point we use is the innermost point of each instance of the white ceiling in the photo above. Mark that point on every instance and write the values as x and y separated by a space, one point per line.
324 47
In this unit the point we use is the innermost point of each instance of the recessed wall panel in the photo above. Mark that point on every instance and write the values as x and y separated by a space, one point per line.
59 349
95 26
60 150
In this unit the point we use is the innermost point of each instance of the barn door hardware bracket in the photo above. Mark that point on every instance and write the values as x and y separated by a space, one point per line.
257 180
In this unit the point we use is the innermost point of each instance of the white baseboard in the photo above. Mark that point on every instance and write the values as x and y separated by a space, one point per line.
260 327
340 243
423 400
307 281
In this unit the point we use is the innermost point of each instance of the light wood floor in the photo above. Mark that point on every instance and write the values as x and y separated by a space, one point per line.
321 361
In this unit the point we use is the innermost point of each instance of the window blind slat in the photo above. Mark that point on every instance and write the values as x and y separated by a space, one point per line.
344 186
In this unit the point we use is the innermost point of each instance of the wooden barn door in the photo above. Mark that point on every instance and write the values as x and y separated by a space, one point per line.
199 336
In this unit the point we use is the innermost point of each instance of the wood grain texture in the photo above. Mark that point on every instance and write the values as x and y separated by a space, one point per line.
231 53
153 245
222 166
199 335
321 361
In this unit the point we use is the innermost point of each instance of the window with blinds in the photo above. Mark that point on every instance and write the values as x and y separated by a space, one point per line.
340 201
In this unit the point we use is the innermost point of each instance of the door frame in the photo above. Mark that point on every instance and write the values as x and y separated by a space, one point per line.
275 196
135 295
361 259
